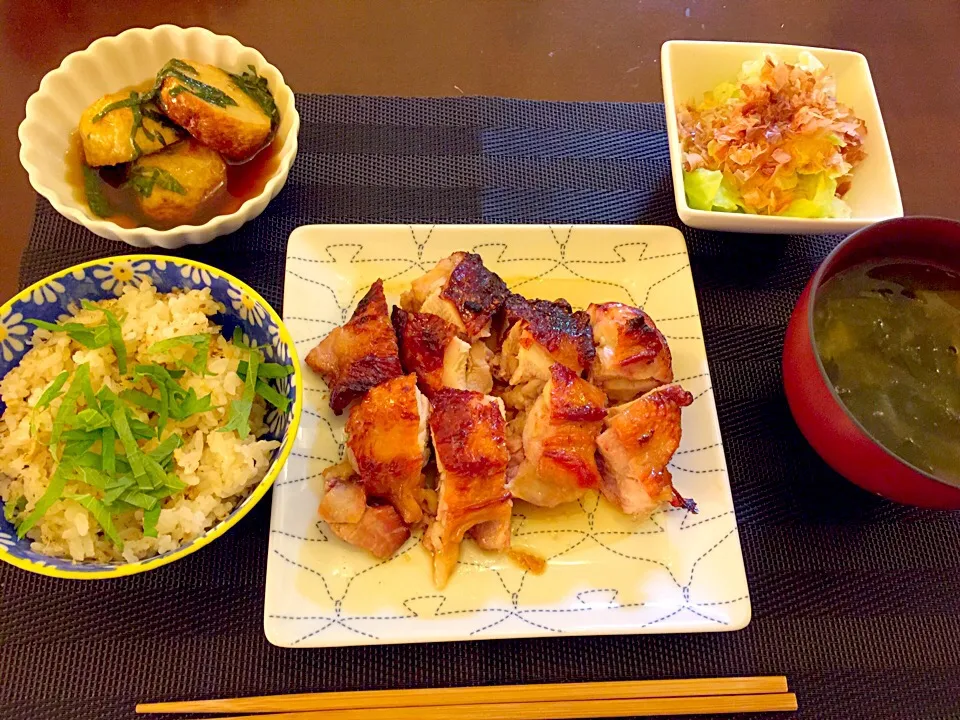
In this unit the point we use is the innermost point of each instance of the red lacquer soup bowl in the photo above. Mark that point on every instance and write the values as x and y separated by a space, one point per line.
832 431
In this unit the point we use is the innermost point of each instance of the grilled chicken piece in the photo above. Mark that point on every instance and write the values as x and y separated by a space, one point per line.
380 531
387 444
539 333
632 355
637 443
560 442
461 291
361 354
429 347
344 499
468 436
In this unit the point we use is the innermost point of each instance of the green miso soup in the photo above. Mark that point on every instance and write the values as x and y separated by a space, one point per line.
887 335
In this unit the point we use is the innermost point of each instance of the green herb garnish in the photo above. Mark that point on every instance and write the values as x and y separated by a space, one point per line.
108 450
67 405
53 390
239 418
101 515
187 76
267 370
186 404
200 343
53 492
144 178
121 423
267 392
13 510
132 100
150 518
256 88
141 400
90 336
99 205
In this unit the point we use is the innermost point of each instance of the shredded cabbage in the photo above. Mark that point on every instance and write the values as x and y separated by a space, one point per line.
776 142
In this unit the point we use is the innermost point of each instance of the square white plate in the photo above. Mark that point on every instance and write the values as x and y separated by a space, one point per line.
690 68
607 574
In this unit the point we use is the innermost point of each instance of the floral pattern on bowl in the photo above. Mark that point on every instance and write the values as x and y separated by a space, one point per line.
60 294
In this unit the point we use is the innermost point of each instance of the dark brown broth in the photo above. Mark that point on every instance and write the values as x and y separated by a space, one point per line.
244 181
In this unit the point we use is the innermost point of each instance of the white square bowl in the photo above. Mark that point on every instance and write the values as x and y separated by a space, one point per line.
690 68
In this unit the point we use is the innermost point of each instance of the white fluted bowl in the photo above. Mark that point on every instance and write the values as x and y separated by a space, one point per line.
111 64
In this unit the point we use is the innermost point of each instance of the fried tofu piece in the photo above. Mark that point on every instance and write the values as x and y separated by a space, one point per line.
468 431
173 184
387 444
638 441
560 442
461 291
110 140
539 333
237 131
361 354
632 356
429 347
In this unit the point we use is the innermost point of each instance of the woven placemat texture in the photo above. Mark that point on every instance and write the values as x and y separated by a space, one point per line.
855 599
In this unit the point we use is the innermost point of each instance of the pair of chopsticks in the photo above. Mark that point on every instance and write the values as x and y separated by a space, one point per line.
509 702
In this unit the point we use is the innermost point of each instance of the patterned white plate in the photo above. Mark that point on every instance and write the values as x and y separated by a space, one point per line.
607 574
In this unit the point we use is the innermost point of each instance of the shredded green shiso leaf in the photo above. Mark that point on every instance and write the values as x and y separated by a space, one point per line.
89 423
255 86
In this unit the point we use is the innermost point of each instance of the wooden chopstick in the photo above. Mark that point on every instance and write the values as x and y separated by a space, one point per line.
545 693
703 705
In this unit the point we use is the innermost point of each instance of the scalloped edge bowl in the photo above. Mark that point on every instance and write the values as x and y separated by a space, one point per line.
110 64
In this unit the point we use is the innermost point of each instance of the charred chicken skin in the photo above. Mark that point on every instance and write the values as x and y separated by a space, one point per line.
560 442
468 431
632 356
361 354
461 291
387 444
638 441
536 334
429 347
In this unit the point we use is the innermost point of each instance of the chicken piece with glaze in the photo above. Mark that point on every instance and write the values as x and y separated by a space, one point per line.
429 347
638 441
536 334
468 431
560 442
377 529
632 356
461 291
387 444
361 354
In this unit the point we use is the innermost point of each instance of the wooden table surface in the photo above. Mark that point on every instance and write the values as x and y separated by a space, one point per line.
540 49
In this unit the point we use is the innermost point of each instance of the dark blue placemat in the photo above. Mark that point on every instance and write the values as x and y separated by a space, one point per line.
855 599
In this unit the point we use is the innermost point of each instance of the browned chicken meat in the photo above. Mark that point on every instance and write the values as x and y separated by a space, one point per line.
344 498
361 354
536 334
468 437
560 442
637 443
632 355
429 347
461 291
387 444
377 529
